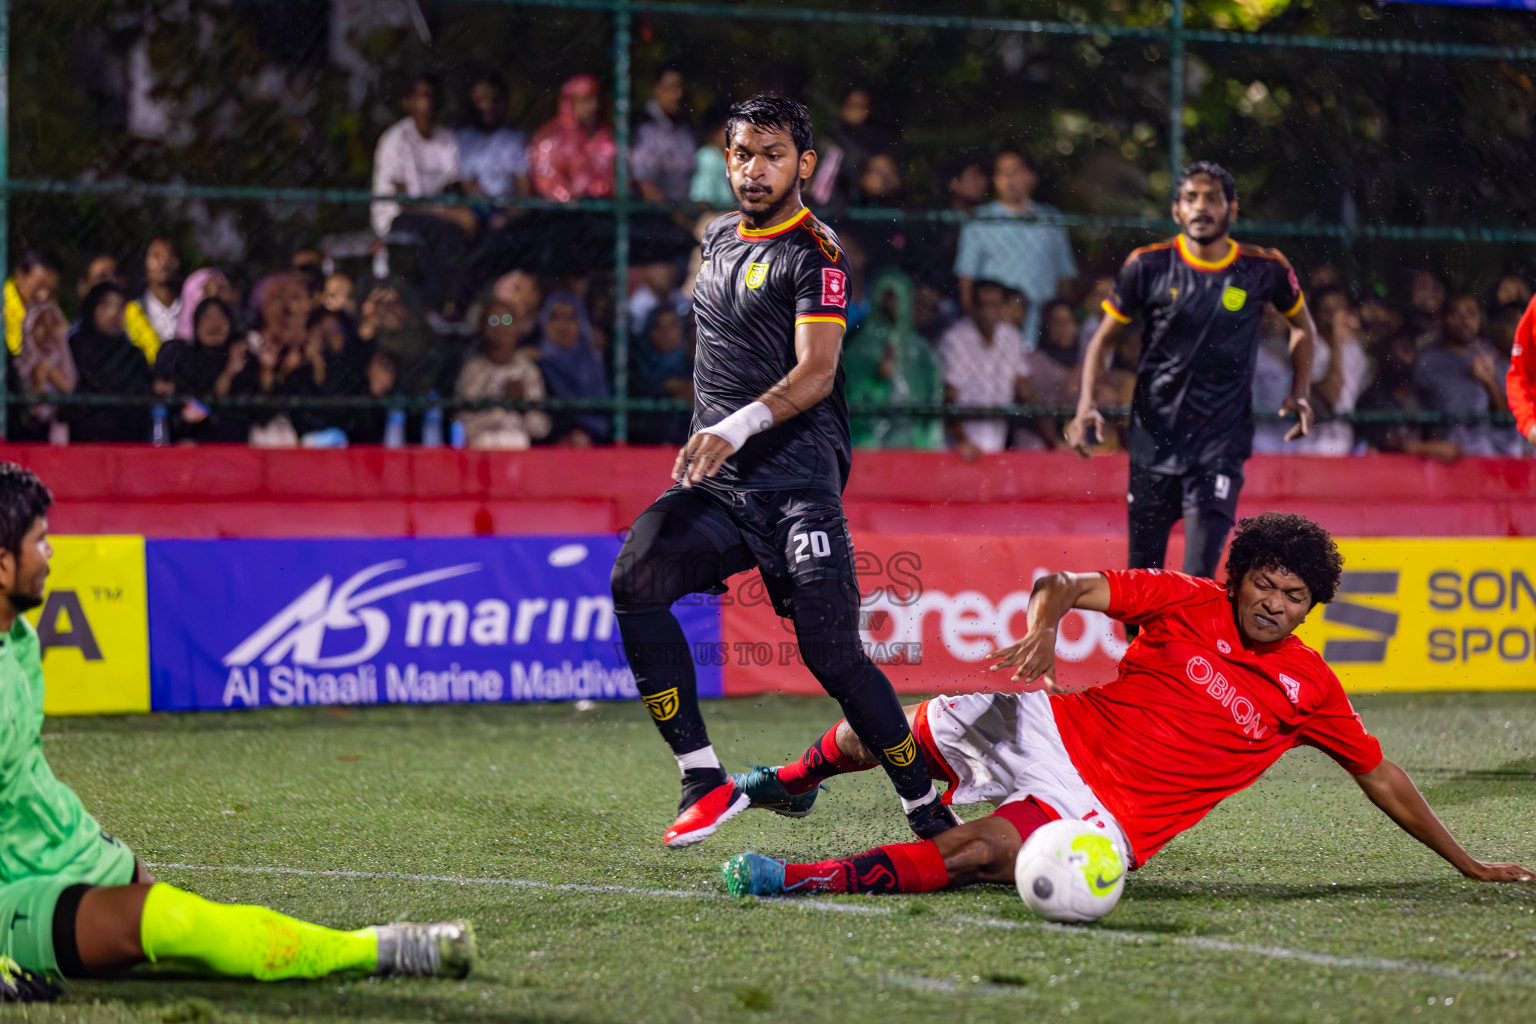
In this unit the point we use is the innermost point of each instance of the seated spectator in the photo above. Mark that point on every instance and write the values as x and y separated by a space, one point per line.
1458 376
572 155
416 157
662 157
887 362
381 376
520 293
852 139
879 181
1054 375
1426 306
35 280
206 366
392 323
493 154
339 296
711 184
983 359
151 319
499 370
1381 321
1272 379
44 366
1340 373
1008 244
98 268
660 366
572 368
207 283
1393 392
108 364
1512 292
659 285
935 243
286 362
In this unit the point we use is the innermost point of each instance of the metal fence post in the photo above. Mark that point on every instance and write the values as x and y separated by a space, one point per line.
1176 96
5 192
621 103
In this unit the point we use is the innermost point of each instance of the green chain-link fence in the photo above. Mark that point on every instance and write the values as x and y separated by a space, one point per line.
1174 35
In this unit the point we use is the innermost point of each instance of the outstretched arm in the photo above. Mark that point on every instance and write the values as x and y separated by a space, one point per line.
1390 788
818 345
1034 657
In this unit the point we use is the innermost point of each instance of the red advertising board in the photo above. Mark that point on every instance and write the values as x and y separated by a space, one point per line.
934 608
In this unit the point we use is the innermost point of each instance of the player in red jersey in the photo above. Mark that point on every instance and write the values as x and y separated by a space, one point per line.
1210 694
1520 383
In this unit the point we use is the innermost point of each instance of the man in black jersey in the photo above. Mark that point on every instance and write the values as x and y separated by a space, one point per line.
760 483
1201 297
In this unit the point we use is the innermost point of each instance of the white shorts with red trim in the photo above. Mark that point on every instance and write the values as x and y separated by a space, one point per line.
1002 747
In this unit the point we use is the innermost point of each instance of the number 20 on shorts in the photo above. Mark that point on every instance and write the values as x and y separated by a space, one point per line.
816 540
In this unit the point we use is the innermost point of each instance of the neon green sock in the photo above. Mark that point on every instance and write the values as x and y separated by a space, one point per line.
248 942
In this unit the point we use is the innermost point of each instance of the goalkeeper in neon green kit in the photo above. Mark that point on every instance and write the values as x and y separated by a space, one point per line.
74 901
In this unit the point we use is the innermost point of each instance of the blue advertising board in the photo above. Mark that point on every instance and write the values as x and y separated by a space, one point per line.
258 623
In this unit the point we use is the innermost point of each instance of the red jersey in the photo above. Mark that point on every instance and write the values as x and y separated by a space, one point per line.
1520 383
1197 712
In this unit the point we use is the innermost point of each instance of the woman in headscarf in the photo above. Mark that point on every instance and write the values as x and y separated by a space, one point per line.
109 364
887 362
208 283
660 366
43 366
572 368
571 157
205 366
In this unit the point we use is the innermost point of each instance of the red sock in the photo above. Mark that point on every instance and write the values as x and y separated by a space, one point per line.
900 867
819 763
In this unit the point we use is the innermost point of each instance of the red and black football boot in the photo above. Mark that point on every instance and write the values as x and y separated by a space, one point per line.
710 798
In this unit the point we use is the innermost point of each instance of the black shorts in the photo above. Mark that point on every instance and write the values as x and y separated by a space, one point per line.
1168 497
792 537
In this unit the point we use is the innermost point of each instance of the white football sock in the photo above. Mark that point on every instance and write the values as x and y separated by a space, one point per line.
911 805
704 757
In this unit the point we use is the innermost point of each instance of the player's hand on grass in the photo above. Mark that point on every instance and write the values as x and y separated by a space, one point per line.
1033 660
1494 872
1084 431
701 457
1303 410
19 985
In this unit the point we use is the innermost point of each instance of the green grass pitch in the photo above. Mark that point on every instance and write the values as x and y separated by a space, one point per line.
1295 900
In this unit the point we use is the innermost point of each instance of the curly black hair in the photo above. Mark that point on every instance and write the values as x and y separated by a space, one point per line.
1284 540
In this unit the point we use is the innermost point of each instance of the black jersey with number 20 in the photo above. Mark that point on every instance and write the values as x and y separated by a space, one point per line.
1194 386
753 288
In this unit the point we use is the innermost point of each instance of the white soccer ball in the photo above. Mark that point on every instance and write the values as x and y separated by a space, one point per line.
1070 871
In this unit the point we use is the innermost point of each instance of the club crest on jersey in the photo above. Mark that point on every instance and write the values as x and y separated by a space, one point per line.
663 705
1233 298
903 753
1292 688
757 273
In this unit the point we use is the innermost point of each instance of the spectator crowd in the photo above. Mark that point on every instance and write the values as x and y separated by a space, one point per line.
462 292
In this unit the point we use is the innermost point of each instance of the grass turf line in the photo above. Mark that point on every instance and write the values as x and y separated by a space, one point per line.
549 795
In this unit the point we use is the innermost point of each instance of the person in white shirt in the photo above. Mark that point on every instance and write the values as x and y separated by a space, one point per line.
984 365
1340 371
418 157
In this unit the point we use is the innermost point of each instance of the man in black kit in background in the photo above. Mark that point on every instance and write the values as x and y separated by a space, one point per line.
760 483
1202 298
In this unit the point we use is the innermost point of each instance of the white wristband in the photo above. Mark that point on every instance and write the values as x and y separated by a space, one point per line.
742 424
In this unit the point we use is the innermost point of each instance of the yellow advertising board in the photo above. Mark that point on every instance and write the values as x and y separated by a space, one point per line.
94 627
1431 615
